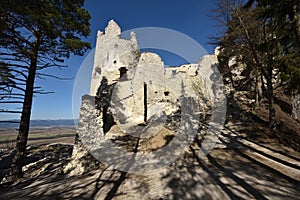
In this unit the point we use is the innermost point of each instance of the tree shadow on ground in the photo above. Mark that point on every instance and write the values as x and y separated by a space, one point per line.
227 173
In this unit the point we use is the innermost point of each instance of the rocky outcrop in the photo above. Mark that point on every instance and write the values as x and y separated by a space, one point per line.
89 133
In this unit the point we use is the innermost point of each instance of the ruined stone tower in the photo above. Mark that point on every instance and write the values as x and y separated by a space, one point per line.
133 94
113 55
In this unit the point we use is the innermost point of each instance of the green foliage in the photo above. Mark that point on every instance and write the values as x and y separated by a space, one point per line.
58 24
34 35
282 17
5 80
265 36
44 31
262 35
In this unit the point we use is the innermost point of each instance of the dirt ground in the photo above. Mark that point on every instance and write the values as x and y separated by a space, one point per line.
237 168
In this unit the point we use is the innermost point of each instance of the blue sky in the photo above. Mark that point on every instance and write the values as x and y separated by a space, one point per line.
188 17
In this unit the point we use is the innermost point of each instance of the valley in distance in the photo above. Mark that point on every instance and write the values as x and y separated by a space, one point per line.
41 132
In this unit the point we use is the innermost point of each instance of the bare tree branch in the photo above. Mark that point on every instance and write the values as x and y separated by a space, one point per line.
53 76
10 111
12 102
12 122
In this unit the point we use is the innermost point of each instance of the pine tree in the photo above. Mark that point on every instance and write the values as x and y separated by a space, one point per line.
38 34
264 37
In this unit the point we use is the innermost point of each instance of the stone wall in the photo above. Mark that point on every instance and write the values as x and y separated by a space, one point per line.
112 53
129 88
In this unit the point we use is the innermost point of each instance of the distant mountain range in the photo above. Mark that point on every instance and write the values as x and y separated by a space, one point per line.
41 123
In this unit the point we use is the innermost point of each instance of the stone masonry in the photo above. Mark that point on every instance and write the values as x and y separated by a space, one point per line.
129 88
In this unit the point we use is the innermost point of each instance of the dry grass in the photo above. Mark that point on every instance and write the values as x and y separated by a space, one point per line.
287 129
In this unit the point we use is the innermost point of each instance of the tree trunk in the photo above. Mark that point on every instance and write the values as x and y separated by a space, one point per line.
263 88
272 118
18 159
297 16
258 91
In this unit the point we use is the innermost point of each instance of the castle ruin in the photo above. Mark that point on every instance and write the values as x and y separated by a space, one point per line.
133 93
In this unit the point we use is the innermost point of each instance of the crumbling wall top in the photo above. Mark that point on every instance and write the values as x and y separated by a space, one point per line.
150 58
113 29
